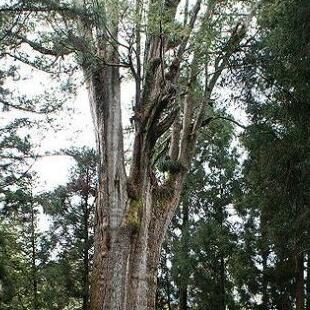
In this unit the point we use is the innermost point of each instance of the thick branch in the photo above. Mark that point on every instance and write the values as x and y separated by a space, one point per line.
165 124
191 25
42 6
43 50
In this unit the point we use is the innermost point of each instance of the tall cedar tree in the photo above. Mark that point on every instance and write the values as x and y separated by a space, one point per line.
171 49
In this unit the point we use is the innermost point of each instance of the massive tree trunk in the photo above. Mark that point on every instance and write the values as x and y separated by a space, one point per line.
132 213
133 210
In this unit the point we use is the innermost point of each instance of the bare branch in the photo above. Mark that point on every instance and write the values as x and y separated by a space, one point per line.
191 25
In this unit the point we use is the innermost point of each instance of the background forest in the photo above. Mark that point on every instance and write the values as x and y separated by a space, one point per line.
240 236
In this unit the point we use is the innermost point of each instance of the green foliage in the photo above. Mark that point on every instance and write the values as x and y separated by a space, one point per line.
49 270
24 248
275 195
202 243
206 261
71 208
169 165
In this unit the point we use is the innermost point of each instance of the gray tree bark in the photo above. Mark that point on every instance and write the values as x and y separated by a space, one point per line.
131 216
133 212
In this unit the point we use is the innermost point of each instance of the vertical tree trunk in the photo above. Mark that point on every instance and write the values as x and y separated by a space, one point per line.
222 275
126 272
183 297
168 289
163 300
285 300
308 283
35 302
183 286
132 215
222 301
265 299
300 283
264 254
86 254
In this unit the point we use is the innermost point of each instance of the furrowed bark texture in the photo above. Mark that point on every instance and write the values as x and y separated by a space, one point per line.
129 230
133 212
131 215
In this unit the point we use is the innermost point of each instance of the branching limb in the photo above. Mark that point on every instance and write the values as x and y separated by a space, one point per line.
207 121
24 109
43 50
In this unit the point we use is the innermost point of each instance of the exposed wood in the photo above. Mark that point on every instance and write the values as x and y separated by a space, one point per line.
133 211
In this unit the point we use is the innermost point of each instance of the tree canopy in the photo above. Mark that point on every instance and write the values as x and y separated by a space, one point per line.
197 195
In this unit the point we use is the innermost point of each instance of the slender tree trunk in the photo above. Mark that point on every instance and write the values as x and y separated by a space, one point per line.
300 282
308 283
168 289
285 302
265 299
222 304
264 254
35 302
86 255
183 298
164 301
183 288
222 275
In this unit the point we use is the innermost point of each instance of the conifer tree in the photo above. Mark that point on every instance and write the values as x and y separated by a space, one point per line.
168 47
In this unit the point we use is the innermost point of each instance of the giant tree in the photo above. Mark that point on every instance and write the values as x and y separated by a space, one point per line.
176 53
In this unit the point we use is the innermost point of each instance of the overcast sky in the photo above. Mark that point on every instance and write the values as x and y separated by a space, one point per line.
77 131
